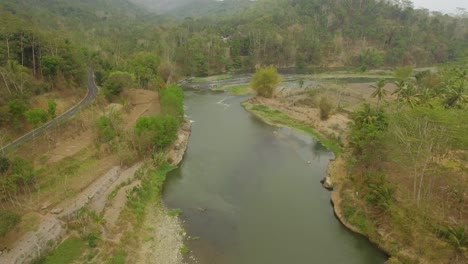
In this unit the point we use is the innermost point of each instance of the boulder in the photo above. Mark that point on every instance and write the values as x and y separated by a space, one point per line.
327 183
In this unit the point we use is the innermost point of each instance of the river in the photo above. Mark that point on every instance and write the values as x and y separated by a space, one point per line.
250 193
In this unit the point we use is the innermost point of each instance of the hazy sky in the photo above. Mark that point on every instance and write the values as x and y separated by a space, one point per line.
446 6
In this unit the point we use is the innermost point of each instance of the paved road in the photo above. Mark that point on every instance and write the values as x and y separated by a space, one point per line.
92 92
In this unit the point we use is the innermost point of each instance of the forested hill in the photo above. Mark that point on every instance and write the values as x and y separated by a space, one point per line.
194 8
46 46
321 32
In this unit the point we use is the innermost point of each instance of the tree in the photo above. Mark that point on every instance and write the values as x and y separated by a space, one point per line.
17 108
420 140
36 117
172 101
265 81
144 65
116 82
50 65
162 130
379 92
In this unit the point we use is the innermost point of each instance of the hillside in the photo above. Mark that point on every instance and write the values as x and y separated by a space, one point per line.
402 174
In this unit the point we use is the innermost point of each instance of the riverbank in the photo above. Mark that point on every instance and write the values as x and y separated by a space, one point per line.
93 213
271 112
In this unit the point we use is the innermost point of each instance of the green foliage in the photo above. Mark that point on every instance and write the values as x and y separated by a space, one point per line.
276 117
175 212
184 250
325 107
36 117
403 73
144 65
354 215
67 252
380 191
238 89
162 130
19 177
17 108
371 58
8 220
379 92
265 81
368 131
50 65
456 236
159 159
52 108
116 83
108 127
455 92
92 239
151 186
118 258
22 172
172 101
4 164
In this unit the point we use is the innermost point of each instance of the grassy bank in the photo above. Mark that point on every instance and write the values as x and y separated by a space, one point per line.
278 118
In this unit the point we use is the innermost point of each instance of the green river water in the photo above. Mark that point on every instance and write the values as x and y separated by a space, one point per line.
249 193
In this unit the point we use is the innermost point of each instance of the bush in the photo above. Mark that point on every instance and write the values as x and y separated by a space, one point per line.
162 130
116 82
4 164
380 190
92 239
265 81
36 117
172 101
325 107
370 58
368 132
8 220
108 127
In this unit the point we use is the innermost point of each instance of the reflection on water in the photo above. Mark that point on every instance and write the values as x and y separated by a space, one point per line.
251 192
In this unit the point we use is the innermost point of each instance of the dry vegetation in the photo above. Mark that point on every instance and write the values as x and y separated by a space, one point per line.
405 188
77 166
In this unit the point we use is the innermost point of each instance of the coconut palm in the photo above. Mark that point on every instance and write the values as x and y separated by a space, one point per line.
379 92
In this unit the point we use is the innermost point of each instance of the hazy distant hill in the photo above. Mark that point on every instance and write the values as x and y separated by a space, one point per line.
193 8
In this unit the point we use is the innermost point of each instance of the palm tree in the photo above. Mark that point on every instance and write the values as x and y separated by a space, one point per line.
379 92
407 92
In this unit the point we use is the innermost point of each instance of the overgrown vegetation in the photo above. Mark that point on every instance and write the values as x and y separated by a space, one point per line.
403 162
276 117
8 220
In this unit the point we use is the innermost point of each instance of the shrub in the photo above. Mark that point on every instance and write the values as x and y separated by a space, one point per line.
4 164
92 239
36 117
325 107
108 127
162 130
265 81
116 82
380 190
52 108
172 101
8 220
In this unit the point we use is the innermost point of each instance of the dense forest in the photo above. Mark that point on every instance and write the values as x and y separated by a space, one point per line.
47 44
